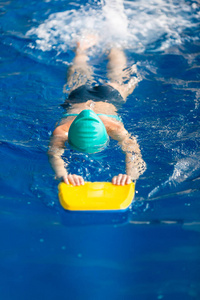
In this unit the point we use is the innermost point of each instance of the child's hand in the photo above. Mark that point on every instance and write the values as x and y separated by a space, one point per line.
121 179
73 179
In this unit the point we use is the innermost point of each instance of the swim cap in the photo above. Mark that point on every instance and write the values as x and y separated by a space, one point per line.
87 132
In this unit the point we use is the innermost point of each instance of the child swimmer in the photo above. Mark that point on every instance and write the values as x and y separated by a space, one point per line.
92 117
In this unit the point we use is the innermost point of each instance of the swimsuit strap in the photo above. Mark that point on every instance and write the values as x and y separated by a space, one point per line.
111 116
118 118
69 115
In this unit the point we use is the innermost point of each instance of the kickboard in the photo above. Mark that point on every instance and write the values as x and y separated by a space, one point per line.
96 196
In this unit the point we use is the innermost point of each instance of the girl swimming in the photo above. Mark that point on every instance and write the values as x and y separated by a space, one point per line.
91 116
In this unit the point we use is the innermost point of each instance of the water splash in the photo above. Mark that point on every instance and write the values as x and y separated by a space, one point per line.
187 171
140 25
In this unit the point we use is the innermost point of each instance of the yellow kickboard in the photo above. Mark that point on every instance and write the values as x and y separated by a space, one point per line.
96 196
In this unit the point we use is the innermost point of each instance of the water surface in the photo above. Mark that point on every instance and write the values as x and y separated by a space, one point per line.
152 252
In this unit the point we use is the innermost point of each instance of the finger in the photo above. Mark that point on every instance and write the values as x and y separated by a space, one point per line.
119 177
128 180
81 180
71 179
65 179
76 180
123 179
114 180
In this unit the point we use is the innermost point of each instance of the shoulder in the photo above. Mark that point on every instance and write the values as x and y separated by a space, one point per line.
62 129
111 123
114 128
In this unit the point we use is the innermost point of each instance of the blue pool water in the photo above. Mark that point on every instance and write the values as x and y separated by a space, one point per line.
152 252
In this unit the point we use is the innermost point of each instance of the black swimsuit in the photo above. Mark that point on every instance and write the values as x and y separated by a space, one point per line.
104 93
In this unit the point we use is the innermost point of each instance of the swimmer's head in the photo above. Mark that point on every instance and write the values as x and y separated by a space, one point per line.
87 133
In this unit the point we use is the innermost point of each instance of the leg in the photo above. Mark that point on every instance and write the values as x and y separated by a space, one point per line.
118 73
80 72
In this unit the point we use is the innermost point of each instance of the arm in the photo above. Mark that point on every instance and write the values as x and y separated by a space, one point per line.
56 149
135 165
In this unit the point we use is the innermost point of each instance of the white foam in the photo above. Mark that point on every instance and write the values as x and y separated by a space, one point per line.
186 169
132 24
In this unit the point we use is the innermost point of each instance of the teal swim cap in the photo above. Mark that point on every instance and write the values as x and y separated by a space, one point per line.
87 133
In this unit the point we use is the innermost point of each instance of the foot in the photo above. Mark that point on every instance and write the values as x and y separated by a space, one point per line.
87 42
